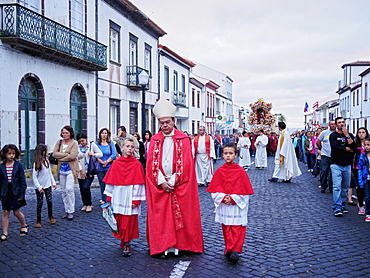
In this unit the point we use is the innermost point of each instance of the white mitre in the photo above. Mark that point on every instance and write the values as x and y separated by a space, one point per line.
164 108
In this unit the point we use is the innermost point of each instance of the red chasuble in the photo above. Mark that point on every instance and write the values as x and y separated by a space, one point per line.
125 171
173 218
230 179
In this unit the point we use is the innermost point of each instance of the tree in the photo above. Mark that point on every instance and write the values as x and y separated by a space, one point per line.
281 118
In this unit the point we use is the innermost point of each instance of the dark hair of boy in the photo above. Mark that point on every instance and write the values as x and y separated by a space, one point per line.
230 145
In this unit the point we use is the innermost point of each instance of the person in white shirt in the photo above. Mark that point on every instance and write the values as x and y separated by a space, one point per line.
204 153
43 180
261 153
243 146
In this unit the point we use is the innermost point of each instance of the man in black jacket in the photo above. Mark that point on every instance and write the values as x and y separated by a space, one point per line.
342 152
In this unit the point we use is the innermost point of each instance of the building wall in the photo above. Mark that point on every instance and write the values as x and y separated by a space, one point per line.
112 83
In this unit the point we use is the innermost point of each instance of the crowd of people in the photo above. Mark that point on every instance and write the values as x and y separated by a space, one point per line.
166 170
341 160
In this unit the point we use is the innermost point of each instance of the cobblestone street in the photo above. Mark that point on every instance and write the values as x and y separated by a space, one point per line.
291 233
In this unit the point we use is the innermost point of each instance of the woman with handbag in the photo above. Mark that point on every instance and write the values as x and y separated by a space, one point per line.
87 153
66 151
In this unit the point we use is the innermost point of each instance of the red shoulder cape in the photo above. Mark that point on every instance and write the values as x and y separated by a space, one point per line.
125 171
230 179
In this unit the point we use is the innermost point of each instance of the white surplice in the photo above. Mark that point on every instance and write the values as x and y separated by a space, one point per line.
231 214
204 164
261 153
244 155
289 168
122 197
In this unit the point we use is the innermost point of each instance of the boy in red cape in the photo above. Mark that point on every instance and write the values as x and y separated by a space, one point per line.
125 190
230 188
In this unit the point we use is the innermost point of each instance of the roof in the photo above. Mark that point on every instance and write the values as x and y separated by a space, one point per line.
177 56
357 63
133 13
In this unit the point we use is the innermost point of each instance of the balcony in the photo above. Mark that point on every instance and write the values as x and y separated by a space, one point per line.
179 98
133 78
39 36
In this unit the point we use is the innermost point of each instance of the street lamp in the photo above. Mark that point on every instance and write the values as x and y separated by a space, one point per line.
143 82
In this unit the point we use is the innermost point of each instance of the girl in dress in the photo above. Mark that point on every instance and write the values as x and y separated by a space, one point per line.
12 188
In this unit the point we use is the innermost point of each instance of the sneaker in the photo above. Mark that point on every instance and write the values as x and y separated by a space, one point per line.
367 219
338 213
70 216
344 210
361 211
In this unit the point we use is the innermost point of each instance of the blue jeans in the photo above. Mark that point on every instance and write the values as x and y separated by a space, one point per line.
341 176
101 176
325 173
85 189
311 159
367 197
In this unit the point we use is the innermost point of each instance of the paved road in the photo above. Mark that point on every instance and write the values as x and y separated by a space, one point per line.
291 233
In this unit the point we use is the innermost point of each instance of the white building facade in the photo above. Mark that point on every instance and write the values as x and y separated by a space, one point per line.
48 60
74 62
174 76
354 96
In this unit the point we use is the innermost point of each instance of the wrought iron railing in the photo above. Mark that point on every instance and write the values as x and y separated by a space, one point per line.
17 21
179 98
133 77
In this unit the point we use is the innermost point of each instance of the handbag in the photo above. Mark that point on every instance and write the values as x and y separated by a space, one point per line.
52 159
94 166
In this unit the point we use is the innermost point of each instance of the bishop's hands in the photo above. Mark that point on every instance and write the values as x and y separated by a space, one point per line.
167 187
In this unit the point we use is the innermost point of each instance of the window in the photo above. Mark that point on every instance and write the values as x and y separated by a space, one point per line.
358 97
76 110
198 99
183 85
148 58
175 81
133 50
77 15
354 98
133 117
114 42
114 116
193 127
33 5
365 92
166 76
193 97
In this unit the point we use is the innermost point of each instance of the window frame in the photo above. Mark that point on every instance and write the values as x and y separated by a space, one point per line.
166 79
113 27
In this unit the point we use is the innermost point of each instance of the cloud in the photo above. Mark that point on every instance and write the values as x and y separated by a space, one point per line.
286 51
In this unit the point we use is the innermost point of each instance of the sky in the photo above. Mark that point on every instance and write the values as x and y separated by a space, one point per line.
287 52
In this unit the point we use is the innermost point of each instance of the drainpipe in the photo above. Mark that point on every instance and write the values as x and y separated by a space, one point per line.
96 72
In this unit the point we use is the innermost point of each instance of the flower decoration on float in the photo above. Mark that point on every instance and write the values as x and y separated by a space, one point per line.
261 117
